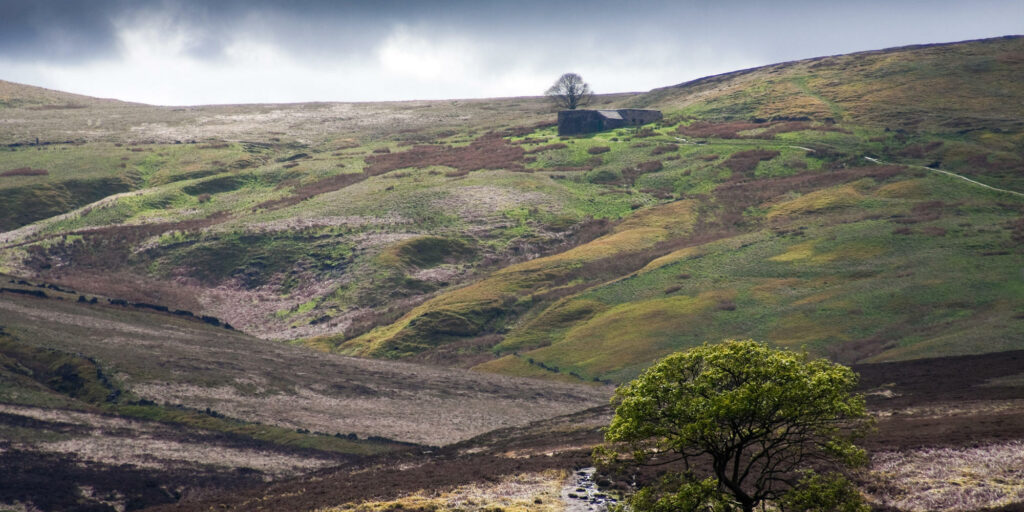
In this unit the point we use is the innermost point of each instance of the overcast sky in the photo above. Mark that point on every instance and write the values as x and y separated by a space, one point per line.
182 52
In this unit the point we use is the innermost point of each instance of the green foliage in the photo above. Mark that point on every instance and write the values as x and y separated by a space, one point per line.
757 415
676 491
823 493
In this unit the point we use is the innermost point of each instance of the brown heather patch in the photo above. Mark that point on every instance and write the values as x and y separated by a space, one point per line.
664 148
630 174
728 130
487 152
597 150
990 162
743 162
25 171
920 150
1017 230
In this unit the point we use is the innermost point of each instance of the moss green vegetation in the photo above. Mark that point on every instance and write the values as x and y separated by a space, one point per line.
853 287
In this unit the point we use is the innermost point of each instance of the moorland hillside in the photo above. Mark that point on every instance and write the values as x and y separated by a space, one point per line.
864 206
167 270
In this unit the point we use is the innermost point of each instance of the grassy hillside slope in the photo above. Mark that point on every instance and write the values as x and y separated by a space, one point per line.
807 227
798 203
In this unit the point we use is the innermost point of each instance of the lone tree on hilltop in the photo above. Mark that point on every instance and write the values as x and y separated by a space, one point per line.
570 91
745 425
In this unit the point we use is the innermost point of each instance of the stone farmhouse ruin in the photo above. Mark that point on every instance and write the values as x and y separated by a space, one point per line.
575 122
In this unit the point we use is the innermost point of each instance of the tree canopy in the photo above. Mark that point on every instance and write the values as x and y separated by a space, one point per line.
745 424
570 92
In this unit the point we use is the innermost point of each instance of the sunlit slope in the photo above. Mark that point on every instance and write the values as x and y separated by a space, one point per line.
897 269
458 232
806 228
969 92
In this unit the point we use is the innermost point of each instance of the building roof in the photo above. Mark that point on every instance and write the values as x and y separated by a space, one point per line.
610 114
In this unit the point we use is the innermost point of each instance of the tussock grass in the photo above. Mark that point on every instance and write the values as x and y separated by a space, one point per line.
948 479
526 492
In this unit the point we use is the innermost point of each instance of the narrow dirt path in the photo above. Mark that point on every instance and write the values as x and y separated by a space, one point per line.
681 140
932 169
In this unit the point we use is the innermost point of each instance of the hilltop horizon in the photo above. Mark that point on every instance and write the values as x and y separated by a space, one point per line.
185 52
537 95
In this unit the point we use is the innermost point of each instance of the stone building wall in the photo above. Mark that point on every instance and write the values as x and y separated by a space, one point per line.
576 122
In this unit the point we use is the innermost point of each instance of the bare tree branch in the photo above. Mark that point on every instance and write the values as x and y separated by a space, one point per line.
570 92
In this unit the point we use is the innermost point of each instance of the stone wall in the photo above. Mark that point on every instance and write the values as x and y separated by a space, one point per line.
576 122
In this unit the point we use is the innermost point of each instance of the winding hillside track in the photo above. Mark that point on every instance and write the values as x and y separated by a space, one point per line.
932 169
877 161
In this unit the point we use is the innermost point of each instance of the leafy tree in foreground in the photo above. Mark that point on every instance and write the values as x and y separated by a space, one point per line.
570 91
747 424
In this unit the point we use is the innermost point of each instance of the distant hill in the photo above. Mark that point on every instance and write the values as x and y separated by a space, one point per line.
800 203
15 95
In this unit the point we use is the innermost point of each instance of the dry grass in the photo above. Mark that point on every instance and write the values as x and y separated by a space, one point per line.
152 445
172 360
827 199
948 479
526 492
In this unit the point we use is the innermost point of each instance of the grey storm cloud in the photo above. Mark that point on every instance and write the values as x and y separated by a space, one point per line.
70 29
56 30
82 30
